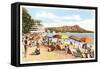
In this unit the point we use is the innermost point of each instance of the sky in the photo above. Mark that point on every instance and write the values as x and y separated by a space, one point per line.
54 17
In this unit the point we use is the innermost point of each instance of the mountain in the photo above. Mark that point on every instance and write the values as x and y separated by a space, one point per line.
74 28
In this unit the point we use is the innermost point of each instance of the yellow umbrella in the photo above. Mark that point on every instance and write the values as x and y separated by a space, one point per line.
61 36
64 36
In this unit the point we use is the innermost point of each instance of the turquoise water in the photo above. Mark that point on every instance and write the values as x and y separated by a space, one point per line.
73 34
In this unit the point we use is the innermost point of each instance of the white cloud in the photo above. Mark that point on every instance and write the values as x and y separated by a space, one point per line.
88 24
73 17
48 15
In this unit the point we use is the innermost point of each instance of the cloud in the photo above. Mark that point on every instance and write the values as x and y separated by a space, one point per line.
73 17
88 24
58 20
48 15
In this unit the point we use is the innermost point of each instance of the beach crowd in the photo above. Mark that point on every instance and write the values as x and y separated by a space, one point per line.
38 39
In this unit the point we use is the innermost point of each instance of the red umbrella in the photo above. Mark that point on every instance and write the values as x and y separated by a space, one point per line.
57 36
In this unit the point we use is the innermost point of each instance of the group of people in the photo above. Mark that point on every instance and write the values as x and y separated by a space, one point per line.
29 40
36 39
88 51
82 51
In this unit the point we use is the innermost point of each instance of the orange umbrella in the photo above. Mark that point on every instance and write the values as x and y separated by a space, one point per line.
86 39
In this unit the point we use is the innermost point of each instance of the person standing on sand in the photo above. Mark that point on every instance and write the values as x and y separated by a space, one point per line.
84 46
66 49
25 46
90 52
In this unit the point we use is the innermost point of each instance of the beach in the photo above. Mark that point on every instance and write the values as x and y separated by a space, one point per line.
37 48
45 55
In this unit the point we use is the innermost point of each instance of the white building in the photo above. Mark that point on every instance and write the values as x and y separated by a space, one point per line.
37 28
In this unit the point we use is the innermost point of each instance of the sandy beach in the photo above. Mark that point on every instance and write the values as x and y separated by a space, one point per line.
49 50
45 55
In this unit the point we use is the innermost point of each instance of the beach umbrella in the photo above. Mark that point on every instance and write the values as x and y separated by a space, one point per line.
61 36
64 36
74 38
57 36
86 39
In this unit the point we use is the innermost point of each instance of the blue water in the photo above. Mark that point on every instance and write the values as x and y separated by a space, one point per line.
73 34
82 34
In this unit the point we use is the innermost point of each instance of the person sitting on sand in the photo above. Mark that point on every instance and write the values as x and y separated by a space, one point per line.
37 50
52 47
58 44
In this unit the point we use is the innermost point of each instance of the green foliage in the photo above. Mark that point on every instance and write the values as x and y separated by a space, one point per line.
27 21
